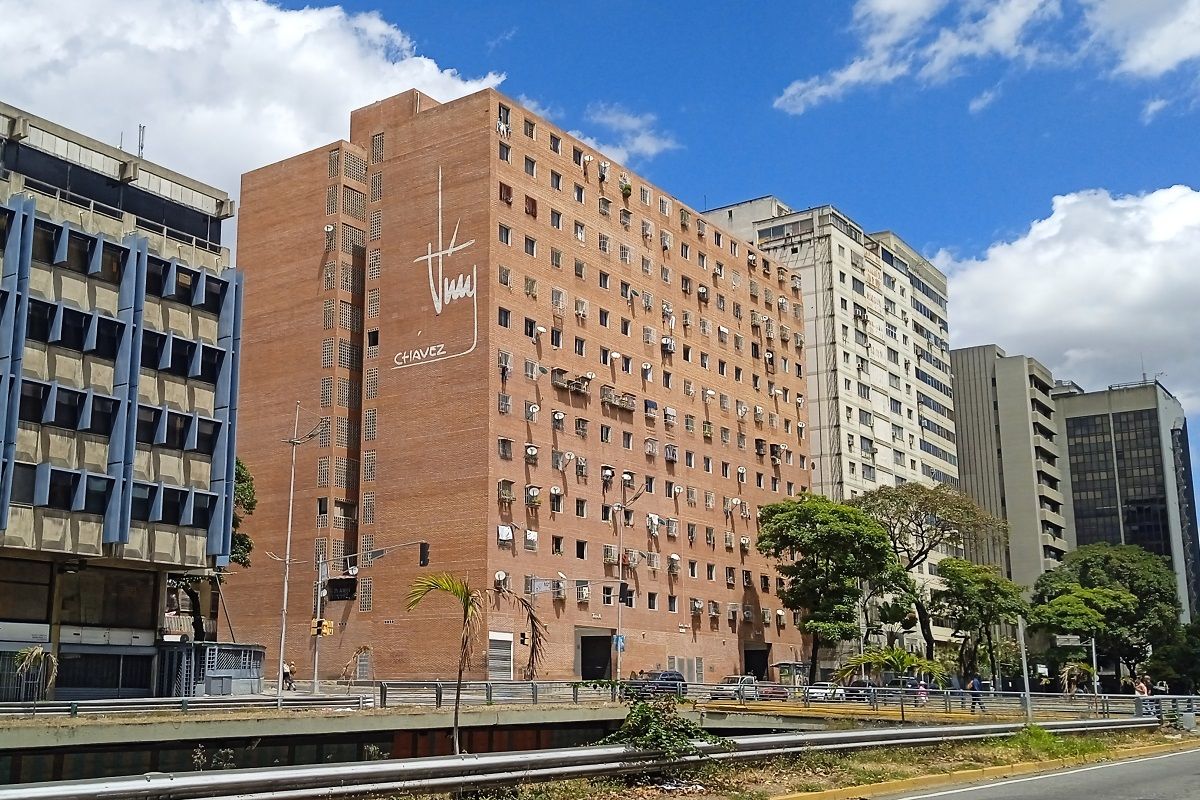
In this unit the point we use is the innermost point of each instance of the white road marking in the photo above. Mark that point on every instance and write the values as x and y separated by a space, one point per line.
1009 782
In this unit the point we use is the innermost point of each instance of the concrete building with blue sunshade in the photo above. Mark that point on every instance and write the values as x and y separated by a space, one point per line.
119 341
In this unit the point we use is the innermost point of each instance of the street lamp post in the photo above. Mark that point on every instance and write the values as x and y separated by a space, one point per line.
295 442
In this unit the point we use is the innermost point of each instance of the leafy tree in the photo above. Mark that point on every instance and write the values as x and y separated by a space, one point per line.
895 660
920 520
244 503
1091 592
1178 663
471 602
975 598
897 618
825 551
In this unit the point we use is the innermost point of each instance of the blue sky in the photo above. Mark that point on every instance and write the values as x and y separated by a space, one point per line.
1042 152
909 155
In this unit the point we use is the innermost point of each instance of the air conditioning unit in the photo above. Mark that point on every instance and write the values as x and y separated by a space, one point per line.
697 605
583 593
745 543
748 615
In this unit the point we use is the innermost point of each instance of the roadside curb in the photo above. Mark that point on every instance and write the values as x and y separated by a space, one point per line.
972 775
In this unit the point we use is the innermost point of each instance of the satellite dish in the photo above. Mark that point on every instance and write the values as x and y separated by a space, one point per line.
534 408
647 365
501 575
591 375
737 501
555 490
614 354
541 329
568 456
678 490
559 415
534 491
329 229
352 571
562 577
531 449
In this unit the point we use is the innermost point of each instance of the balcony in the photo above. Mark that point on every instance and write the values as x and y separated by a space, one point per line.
1054 542
1051 494
1053 517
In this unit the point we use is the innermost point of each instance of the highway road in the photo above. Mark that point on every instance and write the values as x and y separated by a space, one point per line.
1173 776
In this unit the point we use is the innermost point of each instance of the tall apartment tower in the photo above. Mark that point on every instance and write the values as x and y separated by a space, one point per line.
1131 475
555 373
118 387
876 350
873 329
1010 448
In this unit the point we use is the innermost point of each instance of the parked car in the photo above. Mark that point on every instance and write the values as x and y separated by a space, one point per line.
824 691
736 687
773 691
904 684
861 690
657 683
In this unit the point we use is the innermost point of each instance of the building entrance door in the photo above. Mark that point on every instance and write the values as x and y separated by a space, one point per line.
756 662
595 658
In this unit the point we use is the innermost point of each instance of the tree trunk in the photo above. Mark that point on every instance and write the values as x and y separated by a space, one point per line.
991 646
462 662
926 626
812 664
197 613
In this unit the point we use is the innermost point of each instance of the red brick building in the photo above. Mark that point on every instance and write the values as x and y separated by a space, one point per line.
510 338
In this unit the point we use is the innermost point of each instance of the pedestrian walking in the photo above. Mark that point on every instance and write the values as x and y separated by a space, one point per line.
289 675
975 686
922 694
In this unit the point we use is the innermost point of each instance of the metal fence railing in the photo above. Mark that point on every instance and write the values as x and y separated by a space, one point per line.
153 705
763 696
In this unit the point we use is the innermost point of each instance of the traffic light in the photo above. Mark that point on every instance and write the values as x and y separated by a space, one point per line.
327 627
344 587
315 627
423 559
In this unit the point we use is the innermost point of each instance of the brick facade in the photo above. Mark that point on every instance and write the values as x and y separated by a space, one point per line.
424 421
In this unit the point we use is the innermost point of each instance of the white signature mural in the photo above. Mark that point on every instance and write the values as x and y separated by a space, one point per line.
444 291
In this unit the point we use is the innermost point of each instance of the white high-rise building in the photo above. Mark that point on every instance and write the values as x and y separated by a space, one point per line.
876 349
881 407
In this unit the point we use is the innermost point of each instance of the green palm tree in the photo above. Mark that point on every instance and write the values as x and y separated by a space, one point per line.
34 660
472 601
896 660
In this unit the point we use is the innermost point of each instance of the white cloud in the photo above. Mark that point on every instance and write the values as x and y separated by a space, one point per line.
1152 109
543 110
631 136
223 86
1151 37
885 26
1095 289
984 99
504 38
933 41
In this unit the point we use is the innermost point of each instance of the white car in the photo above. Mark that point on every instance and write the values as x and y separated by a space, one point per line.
825 691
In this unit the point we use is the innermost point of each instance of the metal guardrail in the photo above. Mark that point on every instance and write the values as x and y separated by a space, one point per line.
449 773
151 705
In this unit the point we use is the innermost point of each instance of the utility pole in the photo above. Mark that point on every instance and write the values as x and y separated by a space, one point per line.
619 519
1025 670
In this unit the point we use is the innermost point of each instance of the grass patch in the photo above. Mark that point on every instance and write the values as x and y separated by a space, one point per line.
810 772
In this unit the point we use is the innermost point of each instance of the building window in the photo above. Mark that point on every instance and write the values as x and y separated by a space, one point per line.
366 594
